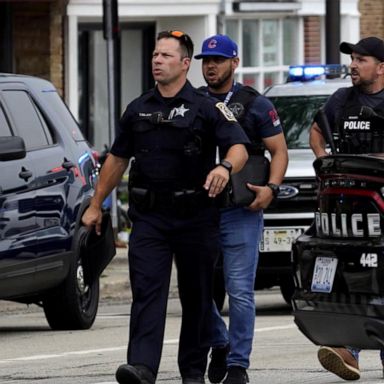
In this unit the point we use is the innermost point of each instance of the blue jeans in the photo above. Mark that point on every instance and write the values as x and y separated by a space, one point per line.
355 352
240 231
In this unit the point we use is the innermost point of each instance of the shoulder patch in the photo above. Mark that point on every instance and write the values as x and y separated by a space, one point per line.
225 111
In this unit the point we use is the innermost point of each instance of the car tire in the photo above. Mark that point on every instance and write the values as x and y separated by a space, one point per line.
74 304
287 288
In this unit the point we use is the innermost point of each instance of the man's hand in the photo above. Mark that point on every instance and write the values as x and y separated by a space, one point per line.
92 217
264 197
216 181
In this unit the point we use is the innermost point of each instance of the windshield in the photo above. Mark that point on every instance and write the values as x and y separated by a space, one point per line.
296 115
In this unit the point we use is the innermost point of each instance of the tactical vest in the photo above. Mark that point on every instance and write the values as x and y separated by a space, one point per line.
360 129
167 153
239 104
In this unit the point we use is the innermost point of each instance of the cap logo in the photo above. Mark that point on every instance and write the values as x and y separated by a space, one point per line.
212 44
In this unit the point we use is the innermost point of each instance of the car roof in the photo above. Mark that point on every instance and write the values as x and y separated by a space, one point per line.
31 81
308 88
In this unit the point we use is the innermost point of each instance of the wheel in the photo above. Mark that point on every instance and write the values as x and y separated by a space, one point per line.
74 304
287 288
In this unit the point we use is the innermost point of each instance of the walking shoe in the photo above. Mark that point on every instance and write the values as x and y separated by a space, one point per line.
236 375
339 361
134 374
217 368
193 380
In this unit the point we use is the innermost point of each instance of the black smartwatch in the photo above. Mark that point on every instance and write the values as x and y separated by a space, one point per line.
227 165
275 189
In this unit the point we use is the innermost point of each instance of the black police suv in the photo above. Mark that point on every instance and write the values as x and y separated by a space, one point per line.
47 177
339 260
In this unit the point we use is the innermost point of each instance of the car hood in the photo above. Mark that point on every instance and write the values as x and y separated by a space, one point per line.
300 163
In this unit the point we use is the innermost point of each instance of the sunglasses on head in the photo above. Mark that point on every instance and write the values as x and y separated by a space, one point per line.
183 37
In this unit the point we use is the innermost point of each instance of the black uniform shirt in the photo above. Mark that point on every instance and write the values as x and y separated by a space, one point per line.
210 119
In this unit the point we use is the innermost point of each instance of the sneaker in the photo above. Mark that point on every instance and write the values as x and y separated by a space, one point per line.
193 380
339 361
236 375
217 368
134 374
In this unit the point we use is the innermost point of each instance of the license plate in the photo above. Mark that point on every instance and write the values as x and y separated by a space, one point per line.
279 239
324 274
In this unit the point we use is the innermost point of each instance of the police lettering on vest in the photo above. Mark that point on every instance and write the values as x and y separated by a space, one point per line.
357 125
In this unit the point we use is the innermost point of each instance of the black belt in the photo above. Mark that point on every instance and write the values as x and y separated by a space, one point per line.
185 202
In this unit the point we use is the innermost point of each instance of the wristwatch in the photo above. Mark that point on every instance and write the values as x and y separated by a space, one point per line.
227 165
275 189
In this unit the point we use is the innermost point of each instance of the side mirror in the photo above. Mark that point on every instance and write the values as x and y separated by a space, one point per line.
12 148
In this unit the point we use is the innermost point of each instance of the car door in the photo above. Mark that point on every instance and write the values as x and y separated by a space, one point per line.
50 180
17 219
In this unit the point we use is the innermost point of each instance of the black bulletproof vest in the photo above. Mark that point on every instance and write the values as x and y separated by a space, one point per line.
360 128
167 153
239 104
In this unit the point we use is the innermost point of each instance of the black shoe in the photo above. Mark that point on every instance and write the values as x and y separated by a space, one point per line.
134 374
236 375
217 368
193 380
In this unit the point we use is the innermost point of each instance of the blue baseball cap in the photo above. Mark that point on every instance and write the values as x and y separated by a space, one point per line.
218 45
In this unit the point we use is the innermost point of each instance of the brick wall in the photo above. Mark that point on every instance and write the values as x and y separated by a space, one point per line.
312 40
38 39
372 18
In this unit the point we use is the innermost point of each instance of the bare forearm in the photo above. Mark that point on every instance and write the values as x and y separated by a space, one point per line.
237 155
317 141
110 176
279 163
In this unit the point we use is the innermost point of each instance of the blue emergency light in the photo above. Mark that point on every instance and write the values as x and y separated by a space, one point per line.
312 72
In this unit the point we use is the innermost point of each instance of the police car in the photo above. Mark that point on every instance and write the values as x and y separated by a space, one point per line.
338 262
296 101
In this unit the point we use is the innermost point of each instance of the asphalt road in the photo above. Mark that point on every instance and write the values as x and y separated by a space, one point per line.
31 353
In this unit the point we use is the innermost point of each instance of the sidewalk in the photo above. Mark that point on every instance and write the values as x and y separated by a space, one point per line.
114 281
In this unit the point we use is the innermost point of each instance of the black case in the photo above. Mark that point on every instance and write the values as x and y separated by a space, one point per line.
255 171
97 251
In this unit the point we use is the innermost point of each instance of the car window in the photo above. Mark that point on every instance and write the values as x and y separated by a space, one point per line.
64 115
4 126
27 118
296 115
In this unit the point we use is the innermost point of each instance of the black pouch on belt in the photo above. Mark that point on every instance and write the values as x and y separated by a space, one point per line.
141 198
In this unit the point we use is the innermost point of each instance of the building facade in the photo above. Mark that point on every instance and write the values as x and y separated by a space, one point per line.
62 40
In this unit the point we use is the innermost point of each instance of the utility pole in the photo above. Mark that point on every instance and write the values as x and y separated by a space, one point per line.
111 34
332 31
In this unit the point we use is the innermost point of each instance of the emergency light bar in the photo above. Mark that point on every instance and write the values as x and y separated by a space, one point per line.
312 72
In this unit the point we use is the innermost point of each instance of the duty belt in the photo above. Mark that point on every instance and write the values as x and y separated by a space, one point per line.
182 203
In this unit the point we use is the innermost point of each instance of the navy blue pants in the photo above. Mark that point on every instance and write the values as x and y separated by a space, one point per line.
154 241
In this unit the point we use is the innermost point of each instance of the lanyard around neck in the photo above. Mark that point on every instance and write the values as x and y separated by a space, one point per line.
229 94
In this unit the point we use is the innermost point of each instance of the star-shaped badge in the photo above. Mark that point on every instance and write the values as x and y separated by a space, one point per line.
179 111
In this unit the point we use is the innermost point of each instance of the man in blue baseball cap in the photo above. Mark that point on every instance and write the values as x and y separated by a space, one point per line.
241 227
218 45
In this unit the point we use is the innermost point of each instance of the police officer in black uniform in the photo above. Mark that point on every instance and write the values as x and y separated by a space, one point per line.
171 133
355 116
